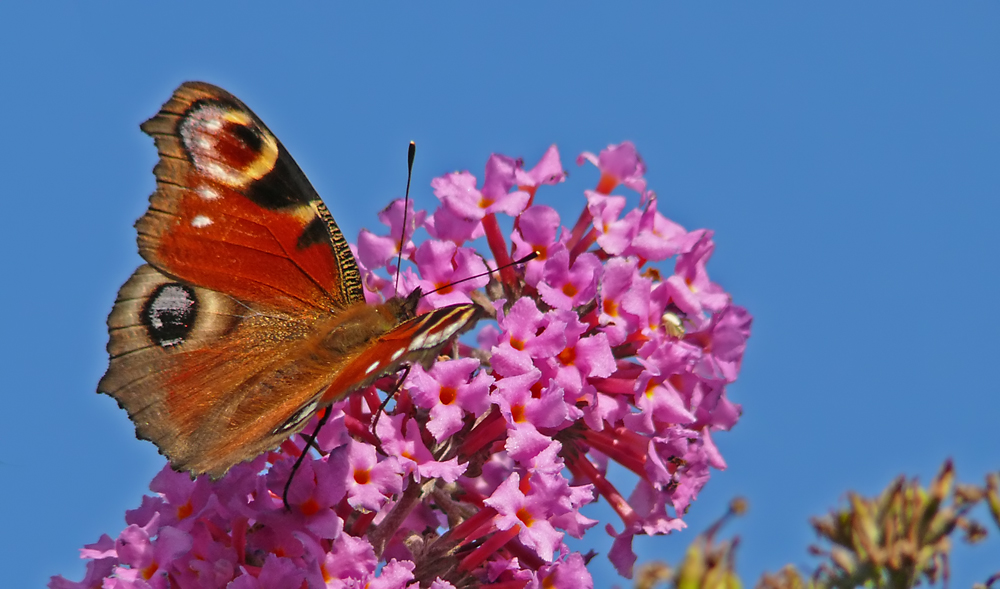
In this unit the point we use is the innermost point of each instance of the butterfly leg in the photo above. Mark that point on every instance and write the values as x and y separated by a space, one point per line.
390 395
310 441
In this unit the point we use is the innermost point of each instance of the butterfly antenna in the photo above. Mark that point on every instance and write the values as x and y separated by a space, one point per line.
523 260
310 443
410 154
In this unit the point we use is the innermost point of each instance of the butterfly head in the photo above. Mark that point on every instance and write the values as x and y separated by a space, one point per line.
405 308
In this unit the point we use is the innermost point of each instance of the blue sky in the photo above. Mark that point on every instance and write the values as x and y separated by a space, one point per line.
845 154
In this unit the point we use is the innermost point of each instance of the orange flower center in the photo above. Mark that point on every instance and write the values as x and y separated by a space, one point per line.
525 516
148 572
448 395
550 580
310 507
650 387
567 356
606 184
185 510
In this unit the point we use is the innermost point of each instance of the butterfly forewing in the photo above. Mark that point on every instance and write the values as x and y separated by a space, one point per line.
233 212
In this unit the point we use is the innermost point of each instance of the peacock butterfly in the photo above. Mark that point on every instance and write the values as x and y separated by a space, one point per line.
249 314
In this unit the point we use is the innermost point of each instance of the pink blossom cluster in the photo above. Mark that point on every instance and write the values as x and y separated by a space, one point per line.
483 462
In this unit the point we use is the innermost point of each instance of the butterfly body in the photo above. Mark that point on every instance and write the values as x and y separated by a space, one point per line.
249 314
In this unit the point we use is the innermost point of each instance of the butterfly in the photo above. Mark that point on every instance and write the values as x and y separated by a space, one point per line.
249 314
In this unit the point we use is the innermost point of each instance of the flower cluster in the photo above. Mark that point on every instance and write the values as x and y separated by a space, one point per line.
483 461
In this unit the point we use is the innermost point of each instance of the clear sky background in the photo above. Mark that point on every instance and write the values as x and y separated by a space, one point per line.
846 154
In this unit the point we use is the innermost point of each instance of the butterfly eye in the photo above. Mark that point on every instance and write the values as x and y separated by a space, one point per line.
169 314
298 418
226 144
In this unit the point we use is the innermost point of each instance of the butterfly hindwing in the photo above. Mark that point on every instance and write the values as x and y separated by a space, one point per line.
207 378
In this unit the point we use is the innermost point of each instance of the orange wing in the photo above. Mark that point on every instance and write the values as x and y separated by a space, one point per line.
233 212
417 340
250 315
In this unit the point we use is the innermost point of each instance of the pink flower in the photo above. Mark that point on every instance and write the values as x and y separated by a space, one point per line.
614 345
395 575
370 482
405 444
442 263
347 560
458 192
584 357
529 513
614 235
548 170
624 298
316 490
692 269
277 573
446 225
658 403
565 286
619 164
568 573
516 397
441 584
450 391
528 335
723 341
537 231
150 561
375 251
657 237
